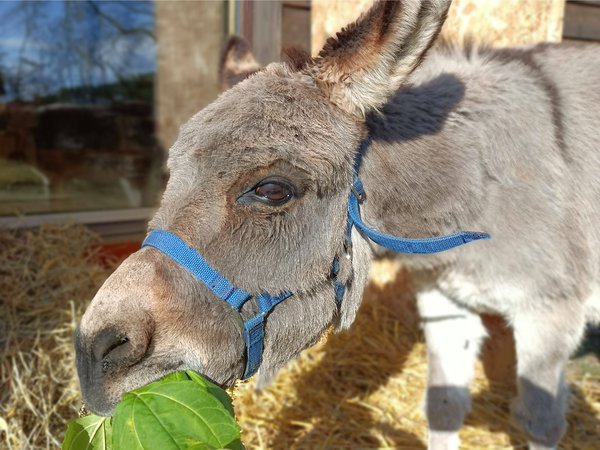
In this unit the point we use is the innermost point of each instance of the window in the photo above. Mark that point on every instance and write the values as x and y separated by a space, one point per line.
77 107
92 94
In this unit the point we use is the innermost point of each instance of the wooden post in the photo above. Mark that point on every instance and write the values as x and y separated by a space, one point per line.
260 24
266 31
190 36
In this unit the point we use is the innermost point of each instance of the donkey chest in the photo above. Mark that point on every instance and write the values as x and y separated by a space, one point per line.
483 296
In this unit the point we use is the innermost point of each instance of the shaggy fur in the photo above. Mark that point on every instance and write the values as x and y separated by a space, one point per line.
499 141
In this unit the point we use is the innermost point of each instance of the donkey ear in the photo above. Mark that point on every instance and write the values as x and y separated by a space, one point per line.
237 62
370 59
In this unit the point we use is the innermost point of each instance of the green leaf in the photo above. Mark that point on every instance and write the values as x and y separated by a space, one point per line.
176 376
181 411
173 415
215 390
184 376
88 433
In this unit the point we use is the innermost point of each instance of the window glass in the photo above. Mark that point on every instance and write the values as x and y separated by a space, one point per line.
76 106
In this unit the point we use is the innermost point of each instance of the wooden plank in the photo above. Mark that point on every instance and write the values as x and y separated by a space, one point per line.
246 20
587 2
582 21
295 28
190 36
300 4
266 32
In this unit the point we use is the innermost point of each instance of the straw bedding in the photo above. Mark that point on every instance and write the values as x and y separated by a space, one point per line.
46 278
364 388
357 389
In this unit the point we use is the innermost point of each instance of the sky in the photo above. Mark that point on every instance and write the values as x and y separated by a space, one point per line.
48 45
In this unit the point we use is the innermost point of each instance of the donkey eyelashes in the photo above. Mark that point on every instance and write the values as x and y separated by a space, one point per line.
273 191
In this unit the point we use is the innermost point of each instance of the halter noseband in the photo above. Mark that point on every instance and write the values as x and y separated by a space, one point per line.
191 260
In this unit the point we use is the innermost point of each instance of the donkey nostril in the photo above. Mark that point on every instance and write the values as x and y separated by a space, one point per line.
114 349
108 341
110 345
120 341
121 346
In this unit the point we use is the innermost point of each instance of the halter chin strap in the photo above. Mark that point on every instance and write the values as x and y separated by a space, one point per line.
191 260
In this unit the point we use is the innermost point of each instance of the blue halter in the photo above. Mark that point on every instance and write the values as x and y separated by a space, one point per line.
191 260
188 258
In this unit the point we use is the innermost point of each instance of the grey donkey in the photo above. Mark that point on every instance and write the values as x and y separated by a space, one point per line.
502 141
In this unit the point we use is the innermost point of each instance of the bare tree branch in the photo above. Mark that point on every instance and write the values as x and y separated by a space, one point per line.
115 23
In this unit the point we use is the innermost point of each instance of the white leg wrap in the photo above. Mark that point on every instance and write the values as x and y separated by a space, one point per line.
454 335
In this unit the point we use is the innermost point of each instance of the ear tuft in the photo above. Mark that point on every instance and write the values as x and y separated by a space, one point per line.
364 32
368 61
297 58
237 62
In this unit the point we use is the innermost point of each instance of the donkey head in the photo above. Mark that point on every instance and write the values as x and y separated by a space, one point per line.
259 184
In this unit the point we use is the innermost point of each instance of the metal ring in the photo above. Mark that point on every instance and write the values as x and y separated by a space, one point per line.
360 197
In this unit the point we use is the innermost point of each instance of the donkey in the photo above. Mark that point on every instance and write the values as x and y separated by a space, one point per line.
503 141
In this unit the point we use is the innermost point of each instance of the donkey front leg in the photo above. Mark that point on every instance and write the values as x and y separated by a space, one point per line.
544 342
454 335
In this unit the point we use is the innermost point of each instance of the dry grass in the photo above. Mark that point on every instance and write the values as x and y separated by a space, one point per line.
363 389
357 389
47 276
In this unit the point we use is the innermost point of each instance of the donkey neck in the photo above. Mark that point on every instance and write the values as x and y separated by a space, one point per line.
420 179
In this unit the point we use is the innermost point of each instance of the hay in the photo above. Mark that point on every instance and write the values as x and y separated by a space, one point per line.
47 277
363 389
357 389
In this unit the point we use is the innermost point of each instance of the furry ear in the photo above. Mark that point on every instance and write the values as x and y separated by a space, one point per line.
237 62
370 59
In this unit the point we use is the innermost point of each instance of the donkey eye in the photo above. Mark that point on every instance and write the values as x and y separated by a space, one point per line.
273 192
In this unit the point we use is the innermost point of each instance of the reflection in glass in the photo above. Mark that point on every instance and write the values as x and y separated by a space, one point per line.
76 106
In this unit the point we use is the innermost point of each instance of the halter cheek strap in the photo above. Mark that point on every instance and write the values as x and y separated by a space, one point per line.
188 258
400 244
254 328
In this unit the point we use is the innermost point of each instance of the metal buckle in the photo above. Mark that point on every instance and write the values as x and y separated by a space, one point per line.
348 249
360 197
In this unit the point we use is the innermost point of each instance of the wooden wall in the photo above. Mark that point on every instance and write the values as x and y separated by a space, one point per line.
582 21
506 22
295 24
274 25
189 38
498 22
